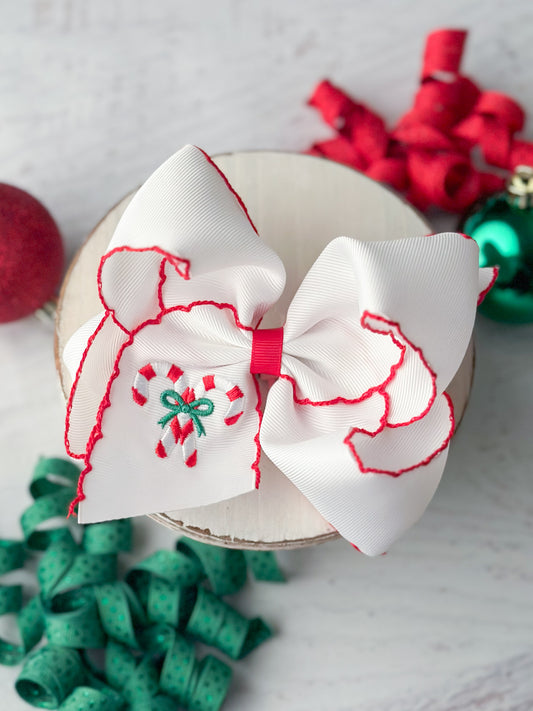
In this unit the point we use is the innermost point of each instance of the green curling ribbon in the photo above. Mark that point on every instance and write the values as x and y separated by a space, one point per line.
219 625
172 566
197 685
12 557
49 676
120 612
73 621
29 618
138 681
225 568
149 664
53 486
86 698
201 614
45 508
65 566
52 475
108 537
89 569
169 604
55 563
264 566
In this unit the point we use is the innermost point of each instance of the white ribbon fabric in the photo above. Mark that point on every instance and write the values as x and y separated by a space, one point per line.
164 409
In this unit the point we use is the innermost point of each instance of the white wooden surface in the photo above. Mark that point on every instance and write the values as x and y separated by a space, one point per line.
92 97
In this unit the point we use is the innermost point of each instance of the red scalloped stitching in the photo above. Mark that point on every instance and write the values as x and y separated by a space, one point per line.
399 472
207 302
377 388
96 433
110 312
433 375
382 390
231 188
351 401
162 280
482 294
176 262
74 387
255 465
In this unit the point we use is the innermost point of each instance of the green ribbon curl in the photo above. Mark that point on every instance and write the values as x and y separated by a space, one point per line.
144 623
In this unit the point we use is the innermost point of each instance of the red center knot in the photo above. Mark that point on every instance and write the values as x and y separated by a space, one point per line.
267 346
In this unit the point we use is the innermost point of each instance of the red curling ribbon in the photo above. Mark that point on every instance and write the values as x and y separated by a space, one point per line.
428 154
444 179
392 171
443 52
521 154
340 150
502 108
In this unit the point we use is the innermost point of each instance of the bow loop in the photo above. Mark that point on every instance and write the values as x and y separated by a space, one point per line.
187 236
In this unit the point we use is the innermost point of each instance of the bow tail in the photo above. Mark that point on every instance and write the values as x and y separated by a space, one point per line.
370 481
89 357
133 464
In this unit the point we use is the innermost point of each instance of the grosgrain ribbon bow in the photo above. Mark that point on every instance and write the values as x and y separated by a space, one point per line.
358 417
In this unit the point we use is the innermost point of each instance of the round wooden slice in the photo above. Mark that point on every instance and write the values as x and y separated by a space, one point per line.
298 204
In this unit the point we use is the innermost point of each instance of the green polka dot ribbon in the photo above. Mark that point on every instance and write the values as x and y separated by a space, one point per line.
143 627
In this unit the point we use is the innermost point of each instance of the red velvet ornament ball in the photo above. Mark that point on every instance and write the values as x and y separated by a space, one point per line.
31 254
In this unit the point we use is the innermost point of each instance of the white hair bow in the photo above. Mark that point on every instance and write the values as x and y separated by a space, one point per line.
166 409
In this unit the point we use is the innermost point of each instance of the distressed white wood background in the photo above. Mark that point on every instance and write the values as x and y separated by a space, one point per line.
93 96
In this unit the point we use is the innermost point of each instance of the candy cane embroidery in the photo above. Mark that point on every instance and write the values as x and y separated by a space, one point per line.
186 406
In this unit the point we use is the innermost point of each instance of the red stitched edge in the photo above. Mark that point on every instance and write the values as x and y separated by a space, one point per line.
176 262
397 473
482 294
376 388
365 395
230 186
395 324
96 433
75 387
461 234
110 312
382 390
162 280
255 465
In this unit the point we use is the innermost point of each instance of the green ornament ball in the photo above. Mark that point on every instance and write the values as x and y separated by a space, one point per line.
503 228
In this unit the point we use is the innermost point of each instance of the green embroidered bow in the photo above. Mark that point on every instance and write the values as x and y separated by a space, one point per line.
195 409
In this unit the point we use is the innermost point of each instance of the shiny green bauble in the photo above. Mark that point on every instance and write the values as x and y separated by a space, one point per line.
503 229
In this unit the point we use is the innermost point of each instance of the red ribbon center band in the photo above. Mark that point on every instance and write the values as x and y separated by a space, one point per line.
267 346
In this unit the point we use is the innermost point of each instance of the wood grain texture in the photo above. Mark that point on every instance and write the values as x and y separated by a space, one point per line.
93 96
298 204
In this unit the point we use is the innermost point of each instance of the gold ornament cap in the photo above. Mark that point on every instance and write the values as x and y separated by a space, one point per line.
519 187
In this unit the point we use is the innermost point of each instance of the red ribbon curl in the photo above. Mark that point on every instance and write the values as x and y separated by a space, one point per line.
428 154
